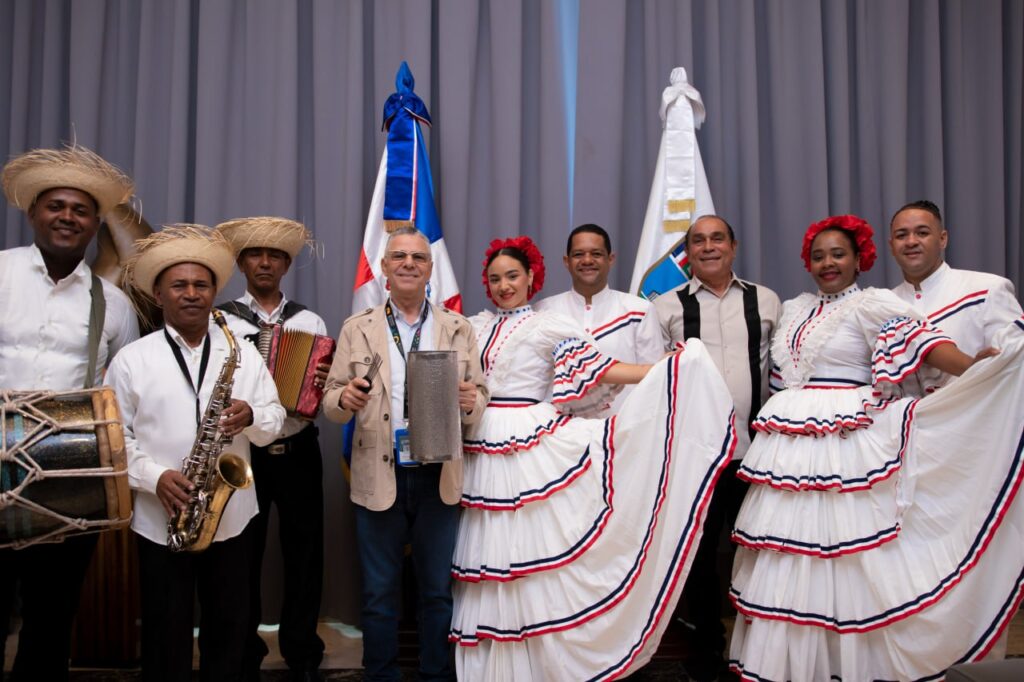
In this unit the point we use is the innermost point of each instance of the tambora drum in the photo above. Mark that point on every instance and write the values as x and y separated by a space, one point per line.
63 468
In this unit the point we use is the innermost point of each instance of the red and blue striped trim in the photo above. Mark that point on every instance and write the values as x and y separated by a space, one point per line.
685 545
819 426
488 345
515 443
511 401
813 549
1005 497
834 481
525 497
618 324
977 651
958 306
578 368
518 569
898 341
796 341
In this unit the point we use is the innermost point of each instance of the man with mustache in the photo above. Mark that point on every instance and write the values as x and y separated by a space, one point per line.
969 306
619 322
61 326
735 320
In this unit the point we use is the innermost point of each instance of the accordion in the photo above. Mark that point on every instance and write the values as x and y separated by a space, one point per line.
292 357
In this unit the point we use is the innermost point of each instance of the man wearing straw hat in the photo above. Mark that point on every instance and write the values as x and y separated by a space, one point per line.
289 471
164 382
61 325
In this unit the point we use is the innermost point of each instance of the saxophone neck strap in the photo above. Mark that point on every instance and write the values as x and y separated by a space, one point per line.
180 357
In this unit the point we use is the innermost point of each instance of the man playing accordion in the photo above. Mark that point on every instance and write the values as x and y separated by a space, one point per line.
289 471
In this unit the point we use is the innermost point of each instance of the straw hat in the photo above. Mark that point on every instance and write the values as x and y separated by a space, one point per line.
27 176
266 232
179 243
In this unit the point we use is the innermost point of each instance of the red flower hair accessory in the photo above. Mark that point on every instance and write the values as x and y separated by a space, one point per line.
859 230
533 255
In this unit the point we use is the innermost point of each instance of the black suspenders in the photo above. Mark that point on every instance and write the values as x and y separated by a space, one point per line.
752 317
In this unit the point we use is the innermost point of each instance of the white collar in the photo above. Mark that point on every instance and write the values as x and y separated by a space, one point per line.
934 280
249 300
839 295
695 284
81 270
580 299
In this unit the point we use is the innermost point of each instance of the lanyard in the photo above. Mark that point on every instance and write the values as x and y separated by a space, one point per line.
184 368
401 350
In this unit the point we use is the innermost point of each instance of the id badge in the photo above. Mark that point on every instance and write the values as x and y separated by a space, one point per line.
403 452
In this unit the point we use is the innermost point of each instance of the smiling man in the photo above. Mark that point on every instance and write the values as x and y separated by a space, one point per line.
397 500
969 306
619 322
61 324
165 383
735 320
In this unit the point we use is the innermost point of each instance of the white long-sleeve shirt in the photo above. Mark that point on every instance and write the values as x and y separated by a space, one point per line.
970 307
44 325
158 410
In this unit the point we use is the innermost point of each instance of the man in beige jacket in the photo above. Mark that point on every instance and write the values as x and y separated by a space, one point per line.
397 500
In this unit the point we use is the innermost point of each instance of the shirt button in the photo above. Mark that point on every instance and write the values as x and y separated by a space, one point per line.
386 458
917 295
385 417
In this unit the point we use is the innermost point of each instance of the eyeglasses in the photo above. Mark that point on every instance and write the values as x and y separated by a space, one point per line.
418 257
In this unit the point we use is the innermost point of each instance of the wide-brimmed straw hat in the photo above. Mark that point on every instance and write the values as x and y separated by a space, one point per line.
266 232
27 176
179 243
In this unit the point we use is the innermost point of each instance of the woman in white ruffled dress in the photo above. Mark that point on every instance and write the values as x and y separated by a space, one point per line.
576 534
883 537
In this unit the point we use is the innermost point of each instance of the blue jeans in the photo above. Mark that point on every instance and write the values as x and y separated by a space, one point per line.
420 518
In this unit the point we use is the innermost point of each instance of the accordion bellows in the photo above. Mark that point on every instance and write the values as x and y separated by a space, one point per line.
292 357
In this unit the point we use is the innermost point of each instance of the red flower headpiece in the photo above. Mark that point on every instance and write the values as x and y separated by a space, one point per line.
858 229
533 256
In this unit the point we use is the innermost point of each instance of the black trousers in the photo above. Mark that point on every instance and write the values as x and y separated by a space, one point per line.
50 578
170 582
703 590
293 480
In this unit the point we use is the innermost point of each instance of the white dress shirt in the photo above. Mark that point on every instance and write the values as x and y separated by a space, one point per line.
158 410
619 323
303 321
970 307
44 325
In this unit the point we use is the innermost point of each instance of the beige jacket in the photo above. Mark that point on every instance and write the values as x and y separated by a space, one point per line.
373 465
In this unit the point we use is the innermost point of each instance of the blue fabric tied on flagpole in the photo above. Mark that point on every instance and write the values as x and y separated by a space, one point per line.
403 111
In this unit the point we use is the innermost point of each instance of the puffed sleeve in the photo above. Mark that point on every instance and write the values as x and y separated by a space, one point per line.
578 366
900 336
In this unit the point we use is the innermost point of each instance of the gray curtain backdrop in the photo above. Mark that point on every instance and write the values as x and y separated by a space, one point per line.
545 117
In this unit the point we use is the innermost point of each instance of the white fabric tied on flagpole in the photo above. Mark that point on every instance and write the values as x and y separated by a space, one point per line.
679 191
682 112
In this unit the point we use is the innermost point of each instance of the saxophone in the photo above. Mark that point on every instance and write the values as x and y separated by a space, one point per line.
215 476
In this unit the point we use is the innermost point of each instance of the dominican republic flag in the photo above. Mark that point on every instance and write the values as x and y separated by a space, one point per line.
679 193
404 195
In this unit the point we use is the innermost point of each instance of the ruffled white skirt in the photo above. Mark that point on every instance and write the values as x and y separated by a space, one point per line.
577 534
889 549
